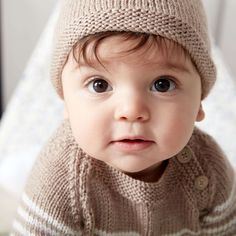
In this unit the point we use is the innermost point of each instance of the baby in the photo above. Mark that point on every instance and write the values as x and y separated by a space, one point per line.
128 159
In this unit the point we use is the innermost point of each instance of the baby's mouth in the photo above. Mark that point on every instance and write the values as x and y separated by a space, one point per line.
132 144
132 140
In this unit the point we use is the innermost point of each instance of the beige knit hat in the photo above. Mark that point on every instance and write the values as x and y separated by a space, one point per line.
182 21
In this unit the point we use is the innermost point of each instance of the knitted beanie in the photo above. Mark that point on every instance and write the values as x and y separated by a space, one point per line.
183 21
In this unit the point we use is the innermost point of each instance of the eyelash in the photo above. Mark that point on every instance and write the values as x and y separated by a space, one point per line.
90 83
165 78
171 82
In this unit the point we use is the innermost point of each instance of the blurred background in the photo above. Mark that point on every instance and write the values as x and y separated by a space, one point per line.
22 22
31 111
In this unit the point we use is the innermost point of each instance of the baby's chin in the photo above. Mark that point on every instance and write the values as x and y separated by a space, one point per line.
143 170
138 170
132 168
131 165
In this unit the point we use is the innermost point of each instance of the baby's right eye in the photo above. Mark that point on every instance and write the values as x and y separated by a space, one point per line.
99 86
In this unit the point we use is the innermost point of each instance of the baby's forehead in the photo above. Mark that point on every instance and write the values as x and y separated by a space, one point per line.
115 49
117 46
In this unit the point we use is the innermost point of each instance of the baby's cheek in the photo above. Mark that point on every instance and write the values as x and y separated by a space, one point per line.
177 133
86 136
81 133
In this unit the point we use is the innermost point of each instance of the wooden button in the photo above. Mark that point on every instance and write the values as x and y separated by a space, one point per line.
201 182
185 155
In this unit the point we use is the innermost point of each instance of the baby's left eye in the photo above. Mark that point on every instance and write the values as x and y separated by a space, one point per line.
163 84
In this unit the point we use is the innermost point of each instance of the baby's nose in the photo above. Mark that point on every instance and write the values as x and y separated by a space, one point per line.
132 108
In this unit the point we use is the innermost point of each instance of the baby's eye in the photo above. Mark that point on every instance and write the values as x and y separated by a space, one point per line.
99 86
163 84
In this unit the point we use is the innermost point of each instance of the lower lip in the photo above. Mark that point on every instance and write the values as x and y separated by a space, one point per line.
132 146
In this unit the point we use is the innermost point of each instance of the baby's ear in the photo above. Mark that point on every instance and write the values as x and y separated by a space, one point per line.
200 114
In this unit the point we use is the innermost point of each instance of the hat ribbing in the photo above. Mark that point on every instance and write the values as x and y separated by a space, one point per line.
182 21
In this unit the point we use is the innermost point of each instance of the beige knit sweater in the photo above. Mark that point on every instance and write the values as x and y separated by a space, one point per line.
69 193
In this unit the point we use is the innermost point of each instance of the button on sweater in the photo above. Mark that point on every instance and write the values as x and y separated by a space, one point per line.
70 193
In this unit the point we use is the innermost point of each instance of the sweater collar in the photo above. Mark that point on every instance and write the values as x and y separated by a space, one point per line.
134 189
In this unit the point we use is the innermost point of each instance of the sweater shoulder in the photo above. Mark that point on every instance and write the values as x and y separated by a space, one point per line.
215 165
56 155
51 186
209 153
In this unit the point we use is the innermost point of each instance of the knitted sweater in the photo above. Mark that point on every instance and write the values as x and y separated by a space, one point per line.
70 193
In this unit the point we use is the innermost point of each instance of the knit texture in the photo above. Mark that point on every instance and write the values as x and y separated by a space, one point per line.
182 21
70 193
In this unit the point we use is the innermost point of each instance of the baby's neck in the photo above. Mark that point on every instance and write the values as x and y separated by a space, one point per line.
151 174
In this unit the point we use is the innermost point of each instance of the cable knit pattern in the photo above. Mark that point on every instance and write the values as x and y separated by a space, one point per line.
182 21
70 193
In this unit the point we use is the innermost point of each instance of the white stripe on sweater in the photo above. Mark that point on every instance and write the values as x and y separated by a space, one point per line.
39 212
211 231
219 217
184 232
49 231
37 226
226 204
102 233
44 216
20 229
225 209
40 225
221 229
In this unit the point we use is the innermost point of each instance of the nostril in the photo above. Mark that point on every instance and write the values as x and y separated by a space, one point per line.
140 118
131 114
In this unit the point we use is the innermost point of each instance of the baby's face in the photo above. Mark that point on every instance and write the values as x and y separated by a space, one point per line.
137 111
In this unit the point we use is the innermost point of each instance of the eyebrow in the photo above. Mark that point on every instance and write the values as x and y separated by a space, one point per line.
165 65
174 66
